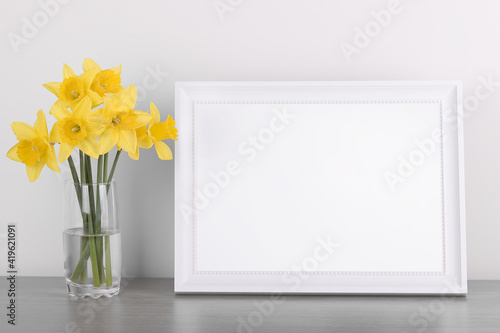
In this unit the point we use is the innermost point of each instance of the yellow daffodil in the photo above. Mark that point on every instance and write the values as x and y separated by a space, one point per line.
155 133
76 129
33 148
105 81
74 88
121 121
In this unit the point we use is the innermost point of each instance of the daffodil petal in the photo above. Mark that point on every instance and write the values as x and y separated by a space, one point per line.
110 101
97 116
12 153
54 134
94 128
83 107
127 140
88 77
23 131
135 155
73 104
59 111
142 119
53 87
64 151
41 124
63 103
107 140
129 97
90 147
51 160
95 97
154 112
145 143
163 150
117 70
89 64
124 100
33 171
68 72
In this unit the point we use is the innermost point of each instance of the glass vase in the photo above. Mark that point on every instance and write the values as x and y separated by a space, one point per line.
91 240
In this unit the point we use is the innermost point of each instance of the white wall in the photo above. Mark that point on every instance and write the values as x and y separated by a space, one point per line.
257 40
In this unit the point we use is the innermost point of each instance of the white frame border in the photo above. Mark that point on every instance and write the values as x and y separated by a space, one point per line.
452 281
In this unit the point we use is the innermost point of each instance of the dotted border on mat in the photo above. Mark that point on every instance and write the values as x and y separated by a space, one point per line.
274 102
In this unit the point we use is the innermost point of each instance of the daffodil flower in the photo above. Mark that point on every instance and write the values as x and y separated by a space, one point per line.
33 148
74 88
155 133
121 121
105 81
76 129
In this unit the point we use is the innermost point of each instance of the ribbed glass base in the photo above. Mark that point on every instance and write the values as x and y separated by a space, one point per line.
89 290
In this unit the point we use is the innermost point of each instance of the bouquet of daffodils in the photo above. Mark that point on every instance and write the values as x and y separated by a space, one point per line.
93 113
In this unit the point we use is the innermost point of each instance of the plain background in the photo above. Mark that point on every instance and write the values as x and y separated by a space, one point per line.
255 40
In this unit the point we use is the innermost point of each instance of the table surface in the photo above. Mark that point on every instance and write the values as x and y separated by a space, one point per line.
150 305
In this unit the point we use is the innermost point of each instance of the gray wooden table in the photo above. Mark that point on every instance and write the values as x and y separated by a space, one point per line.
150 305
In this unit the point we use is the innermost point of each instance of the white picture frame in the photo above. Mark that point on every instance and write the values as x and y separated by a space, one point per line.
320 188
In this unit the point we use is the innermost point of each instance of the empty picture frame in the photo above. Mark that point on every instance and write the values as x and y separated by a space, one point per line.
320 187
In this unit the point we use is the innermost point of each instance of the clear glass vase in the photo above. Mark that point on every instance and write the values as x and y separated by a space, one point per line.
91 240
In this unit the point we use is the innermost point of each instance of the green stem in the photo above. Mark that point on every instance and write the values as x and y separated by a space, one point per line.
83 175
105 169
98 196
78 189
88 168
82 263
91 218
93 259
113 167
98 229
109 277
93 254
84 241
82 167
96 218
74 174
